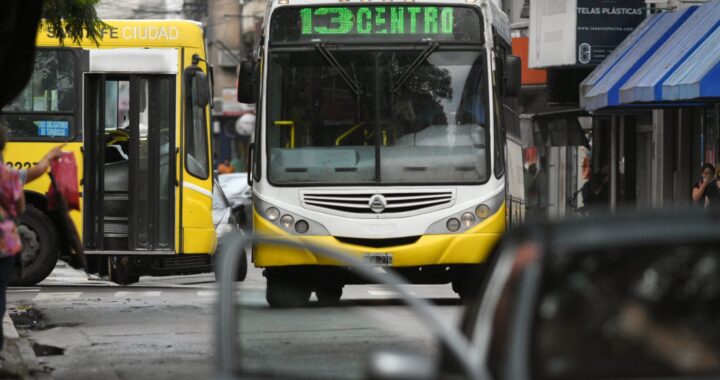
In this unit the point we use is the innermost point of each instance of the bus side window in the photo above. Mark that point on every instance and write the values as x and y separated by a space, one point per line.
196 141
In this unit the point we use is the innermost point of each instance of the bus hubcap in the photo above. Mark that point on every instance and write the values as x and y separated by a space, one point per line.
31 245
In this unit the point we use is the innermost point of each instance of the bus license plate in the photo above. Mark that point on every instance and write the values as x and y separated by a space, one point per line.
379 259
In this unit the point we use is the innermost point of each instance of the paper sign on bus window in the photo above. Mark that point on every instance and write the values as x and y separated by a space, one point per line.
53 128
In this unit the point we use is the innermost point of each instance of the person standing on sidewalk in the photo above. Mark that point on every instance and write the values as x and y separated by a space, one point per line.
12 204
700 189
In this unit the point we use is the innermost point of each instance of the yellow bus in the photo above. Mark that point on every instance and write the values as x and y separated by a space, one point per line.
135 112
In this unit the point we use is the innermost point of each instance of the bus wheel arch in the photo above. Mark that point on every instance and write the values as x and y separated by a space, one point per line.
39 235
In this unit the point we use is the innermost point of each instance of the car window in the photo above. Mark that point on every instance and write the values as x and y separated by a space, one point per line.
635 312
219 201
508 309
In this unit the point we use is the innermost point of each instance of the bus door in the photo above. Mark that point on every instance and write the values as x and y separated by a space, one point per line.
129 163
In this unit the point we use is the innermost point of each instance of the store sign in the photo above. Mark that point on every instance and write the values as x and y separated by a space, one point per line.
602 26
580 32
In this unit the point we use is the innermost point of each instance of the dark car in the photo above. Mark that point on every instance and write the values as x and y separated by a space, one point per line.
225 218
604 297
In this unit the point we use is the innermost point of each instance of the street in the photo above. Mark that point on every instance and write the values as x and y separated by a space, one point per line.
556 164
163 327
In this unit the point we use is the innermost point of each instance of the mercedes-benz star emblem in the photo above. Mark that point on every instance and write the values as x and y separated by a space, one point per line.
378 203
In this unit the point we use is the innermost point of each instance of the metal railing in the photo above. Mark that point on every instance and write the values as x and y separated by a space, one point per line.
228 348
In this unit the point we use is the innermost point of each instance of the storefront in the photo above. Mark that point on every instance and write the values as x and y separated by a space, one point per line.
663 81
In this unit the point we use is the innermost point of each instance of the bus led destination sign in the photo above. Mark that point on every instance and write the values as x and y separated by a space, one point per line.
359 23
377 20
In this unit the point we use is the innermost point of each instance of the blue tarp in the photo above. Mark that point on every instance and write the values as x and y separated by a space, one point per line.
672 56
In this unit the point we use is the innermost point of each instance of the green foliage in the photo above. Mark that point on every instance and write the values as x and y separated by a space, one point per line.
73 19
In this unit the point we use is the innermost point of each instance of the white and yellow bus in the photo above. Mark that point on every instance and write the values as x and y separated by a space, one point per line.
134 111
387 130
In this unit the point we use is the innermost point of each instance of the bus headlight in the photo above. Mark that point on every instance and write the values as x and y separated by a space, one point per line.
467 219
287 221
482 211
302 226
453 225
272 214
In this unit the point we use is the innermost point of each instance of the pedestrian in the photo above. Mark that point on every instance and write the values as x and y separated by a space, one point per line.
12 204
700 188
225 167
595 191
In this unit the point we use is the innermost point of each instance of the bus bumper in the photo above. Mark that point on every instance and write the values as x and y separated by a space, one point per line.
471 247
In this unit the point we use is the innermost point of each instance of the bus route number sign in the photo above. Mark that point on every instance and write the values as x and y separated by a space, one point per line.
376 22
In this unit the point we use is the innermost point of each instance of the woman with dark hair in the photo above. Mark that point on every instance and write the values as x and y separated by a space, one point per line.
12 204
702 192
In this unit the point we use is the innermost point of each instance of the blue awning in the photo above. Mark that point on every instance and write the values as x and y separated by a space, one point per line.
673 56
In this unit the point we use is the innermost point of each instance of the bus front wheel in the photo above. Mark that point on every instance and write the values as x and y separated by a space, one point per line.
40 248
285 293
329 295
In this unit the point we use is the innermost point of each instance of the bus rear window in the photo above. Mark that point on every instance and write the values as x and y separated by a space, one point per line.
45 108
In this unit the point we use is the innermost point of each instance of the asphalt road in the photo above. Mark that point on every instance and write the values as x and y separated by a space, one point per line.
162 328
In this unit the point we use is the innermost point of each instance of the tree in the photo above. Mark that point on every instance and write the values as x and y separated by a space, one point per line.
19 23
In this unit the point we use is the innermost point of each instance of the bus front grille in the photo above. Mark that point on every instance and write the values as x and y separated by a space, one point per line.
372 203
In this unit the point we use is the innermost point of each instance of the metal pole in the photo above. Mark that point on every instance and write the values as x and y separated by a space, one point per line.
613 162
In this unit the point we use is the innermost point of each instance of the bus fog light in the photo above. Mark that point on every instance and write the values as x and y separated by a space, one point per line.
287 221
272 213
482 211
453 225
467 219
302 226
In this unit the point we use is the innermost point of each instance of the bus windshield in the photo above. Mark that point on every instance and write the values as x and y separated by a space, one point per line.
353 116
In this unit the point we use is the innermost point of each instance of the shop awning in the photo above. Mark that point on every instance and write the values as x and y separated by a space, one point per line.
672 56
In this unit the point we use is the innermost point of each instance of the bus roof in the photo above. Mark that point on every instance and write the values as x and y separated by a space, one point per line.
136 33
498 18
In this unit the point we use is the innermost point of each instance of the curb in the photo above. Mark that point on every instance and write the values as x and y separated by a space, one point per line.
18 356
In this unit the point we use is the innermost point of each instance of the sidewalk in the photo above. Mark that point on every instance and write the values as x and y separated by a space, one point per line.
17 358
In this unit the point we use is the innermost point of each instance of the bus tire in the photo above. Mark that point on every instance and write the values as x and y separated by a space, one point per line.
284 293
122 271
469 281
329 295
40 248
242 268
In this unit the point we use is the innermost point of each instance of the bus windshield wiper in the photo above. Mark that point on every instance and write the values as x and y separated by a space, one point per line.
354 86
432 46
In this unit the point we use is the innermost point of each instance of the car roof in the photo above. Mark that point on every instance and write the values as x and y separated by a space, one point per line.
625 229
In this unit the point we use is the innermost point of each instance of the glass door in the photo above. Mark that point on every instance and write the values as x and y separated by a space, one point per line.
129 144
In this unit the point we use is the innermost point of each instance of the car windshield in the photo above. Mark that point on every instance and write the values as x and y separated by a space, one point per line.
629 313
406 116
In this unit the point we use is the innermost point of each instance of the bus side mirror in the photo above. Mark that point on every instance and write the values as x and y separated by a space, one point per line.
202 89
248 82
513 76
